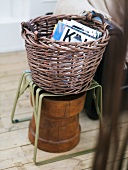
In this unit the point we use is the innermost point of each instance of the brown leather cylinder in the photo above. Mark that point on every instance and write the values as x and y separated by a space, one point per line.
59 129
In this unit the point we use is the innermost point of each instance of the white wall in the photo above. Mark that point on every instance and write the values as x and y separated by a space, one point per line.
12 13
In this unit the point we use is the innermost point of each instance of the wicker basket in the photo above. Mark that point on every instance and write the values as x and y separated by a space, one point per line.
63 67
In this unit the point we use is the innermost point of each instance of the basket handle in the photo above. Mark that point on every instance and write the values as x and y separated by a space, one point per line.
30 28
93 14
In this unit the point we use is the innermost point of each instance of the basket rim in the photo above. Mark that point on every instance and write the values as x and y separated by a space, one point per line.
29 36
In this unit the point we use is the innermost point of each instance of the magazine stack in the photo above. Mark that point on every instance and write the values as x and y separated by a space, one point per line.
73 31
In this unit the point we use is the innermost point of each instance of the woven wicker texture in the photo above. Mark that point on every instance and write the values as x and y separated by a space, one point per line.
62 67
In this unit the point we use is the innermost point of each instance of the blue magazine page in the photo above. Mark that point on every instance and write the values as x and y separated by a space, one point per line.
58 31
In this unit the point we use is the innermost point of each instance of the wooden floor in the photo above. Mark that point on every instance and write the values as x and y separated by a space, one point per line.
16 152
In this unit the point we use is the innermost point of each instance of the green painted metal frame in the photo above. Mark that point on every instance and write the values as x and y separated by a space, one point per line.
26 82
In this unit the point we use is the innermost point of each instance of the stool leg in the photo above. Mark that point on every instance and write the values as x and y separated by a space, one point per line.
37 112
23 85
16 99
97 96
37 127
35 103
100 101
37 115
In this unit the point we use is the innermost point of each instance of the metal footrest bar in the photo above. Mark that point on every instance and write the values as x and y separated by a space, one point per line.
64 157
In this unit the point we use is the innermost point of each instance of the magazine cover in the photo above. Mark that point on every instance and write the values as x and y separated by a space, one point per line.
71 35
86 30
58 30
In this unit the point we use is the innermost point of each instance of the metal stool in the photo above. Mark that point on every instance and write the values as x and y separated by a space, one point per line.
27 82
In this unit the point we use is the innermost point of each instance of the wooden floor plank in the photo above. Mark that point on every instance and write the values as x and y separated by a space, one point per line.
11 73
32 167
14 71
14 57
8 87
9 96
8 126
69 164
14 139
13 64
22 107
13 54
6 164
10 157
13 168
12 67
11 78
